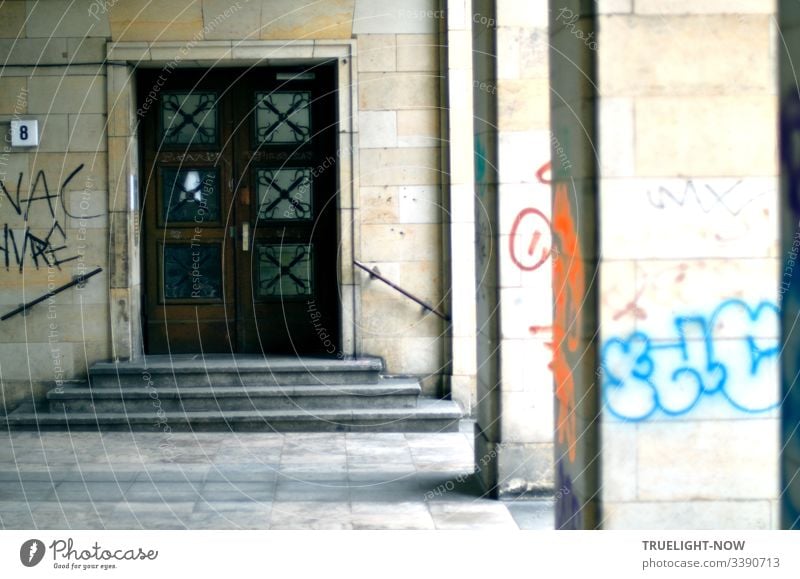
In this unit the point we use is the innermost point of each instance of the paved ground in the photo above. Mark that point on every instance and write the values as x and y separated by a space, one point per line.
249 481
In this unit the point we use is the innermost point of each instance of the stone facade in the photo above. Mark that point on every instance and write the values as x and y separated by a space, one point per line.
391 214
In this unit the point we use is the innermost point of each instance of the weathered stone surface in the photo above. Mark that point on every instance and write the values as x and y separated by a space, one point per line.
12 19
724 136
677 43
66 18
286 20
387 91
377 53
157 20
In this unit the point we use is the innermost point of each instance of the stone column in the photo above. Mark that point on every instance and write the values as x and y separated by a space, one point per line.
459 205
123 206
575 257
514 438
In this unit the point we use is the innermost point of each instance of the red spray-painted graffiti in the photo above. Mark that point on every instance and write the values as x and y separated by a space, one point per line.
542 170
569 288
531 229
537 228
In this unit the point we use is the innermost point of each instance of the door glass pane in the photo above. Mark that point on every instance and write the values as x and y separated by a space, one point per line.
189 195
192 271
284 193
284 270
189 118
283 117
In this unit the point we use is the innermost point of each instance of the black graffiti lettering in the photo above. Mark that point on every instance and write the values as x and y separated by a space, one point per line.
38 250
40 176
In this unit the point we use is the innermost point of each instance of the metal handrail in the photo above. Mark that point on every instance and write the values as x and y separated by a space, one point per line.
406 293
78 280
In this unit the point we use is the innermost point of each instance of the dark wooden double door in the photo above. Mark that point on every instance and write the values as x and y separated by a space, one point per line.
239 210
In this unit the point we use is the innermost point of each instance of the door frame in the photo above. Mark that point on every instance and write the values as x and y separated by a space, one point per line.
126 277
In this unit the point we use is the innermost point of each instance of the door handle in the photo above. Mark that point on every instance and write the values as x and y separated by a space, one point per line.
245 237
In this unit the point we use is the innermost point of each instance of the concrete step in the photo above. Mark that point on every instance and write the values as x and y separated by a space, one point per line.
428 416
387 393
220 370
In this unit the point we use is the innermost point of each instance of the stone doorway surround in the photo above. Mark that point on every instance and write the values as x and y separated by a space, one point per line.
123 58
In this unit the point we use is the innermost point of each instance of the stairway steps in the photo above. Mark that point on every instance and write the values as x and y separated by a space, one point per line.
242 393
388 393
428 416
221 370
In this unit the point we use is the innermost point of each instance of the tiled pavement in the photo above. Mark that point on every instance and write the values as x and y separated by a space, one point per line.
116 480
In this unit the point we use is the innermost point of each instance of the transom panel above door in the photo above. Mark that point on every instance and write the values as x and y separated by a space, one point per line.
239 210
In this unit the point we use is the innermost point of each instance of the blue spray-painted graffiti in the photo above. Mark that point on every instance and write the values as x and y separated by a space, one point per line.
729 354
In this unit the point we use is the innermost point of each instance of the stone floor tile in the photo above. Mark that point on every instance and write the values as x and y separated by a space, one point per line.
311 515
255 473
238 491
17 520
176 473
480 514
398 491
206 506
329 491
89 491
164 491
391 515
31 491
533 515
122 480
229 520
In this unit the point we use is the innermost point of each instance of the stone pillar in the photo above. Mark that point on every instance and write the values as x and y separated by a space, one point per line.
459 205
123 205
575 262
514 438
688 315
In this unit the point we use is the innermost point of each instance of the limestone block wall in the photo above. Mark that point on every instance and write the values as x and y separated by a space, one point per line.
689 263
400 204
54 197
84 110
